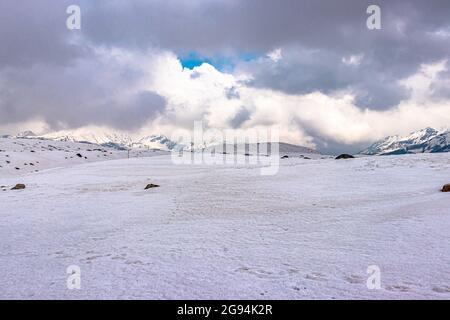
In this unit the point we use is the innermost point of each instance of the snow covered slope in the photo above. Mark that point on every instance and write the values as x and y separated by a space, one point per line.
212 232
422 141
25 155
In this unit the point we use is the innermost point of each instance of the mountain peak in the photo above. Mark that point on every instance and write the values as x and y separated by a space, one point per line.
427 140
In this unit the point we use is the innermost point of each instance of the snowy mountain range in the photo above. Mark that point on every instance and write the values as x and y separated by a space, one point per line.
109 138
121 141
427 140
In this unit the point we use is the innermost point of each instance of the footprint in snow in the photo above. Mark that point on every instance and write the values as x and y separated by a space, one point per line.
354 279
257 272
442 289
398 288
316 276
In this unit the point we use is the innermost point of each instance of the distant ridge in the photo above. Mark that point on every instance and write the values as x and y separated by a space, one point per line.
263 148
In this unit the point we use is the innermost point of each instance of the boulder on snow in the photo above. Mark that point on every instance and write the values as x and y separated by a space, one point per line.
151 185
284 157
19 186
344 156
446 188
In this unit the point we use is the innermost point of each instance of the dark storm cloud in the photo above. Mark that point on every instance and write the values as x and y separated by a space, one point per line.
307 70
441 86
34 32
240 117
315 36
88 92
52 73
209 27
330 30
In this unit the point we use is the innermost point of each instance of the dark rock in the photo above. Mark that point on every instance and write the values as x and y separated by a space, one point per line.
151 185
19 186
446 188
79 155
344 156
284 157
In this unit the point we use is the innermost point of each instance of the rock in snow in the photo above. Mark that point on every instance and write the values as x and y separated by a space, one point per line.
446 188
344 156
151 185
19 186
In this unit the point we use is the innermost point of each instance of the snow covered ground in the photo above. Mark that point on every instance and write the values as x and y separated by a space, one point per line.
309 232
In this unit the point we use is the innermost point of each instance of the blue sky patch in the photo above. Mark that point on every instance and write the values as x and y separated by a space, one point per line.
221 63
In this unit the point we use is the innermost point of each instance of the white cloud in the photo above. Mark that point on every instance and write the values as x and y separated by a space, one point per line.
275 55
420 83
200 94
353 60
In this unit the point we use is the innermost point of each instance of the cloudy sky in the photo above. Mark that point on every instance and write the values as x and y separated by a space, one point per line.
311 68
